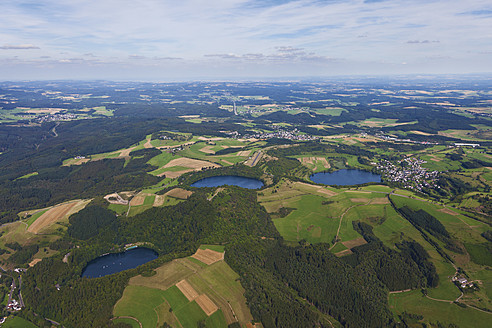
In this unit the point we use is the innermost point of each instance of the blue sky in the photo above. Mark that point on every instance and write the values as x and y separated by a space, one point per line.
226 39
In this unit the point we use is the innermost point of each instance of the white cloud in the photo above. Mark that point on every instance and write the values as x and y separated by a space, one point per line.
242 32
18 47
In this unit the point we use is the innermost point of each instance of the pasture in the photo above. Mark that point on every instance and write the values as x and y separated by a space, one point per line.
414 302
18 322
142 303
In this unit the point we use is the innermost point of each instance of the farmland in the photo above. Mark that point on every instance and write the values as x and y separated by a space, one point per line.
132 151
211 293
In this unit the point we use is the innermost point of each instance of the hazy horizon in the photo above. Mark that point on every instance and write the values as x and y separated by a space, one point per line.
241 39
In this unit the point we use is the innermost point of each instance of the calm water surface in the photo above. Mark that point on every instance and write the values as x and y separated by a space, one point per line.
345 177
112 263
231 180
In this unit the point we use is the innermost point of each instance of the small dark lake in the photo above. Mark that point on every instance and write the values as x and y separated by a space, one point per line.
345 177
112 263
231 180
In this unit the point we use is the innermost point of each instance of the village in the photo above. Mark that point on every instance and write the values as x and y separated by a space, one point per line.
279 134
55 118
409 173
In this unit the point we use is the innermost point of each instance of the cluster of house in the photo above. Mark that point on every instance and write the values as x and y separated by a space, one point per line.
280 134
13 305
462 281
406 140
410 173
55 117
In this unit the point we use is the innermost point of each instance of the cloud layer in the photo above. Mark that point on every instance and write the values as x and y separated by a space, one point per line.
163 39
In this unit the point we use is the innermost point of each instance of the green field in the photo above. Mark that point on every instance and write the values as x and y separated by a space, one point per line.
140 302
310 221
175 298
18 322
27 175
190 314
133 323
480 254
218 281
162 159
217 248
414 302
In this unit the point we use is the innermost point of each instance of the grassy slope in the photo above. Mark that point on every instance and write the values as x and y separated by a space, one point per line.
140 302
413 302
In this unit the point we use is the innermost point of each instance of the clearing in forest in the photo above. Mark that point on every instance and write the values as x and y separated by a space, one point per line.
190 163
354 242
57 213
179 193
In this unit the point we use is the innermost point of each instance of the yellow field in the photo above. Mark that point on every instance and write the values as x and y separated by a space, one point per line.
56 214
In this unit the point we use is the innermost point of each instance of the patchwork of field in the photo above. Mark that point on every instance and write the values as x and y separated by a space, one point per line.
323 214
186 291
317 217
315 163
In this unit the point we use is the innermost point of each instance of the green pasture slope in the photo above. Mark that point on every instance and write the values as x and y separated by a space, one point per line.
18 322
141 303
415 302
310 221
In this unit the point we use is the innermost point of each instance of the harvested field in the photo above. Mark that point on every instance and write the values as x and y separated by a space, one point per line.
55 214
207 150
327 192
343 253
448 211
359 200
34 262
187 290
173 174
210 139
191 163
244 153
227 162
179 193
126 152
208 256
380 201
159 200
137 200
206 304
307 185
324 162
80 161
354 242
307 160
175 146
148 143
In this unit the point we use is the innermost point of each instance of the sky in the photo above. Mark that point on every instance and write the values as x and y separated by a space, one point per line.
161 40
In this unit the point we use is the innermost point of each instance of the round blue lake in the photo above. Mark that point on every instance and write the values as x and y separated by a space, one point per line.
113 263
345 177
231 180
